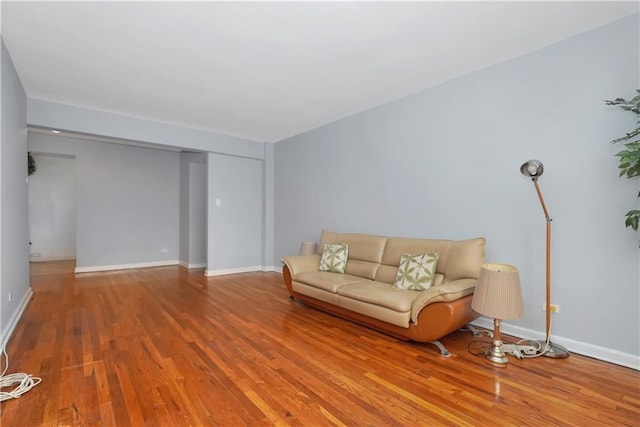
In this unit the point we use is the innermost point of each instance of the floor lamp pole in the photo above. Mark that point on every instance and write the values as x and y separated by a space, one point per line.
551 350
548 268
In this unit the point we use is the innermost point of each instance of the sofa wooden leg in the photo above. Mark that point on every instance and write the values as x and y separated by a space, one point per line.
443 349
472 329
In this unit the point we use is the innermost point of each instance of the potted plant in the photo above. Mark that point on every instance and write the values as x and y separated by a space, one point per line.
629 164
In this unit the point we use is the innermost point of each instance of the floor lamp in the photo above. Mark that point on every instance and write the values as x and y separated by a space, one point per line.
533 169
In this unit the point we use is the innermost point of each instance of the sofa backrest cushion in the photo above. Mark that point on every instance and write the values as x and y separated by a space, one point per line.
377 257
457 259
365 251
464 259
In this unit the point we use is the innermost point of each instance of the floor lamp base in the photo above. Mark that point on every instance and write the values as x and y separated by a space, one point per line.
555 351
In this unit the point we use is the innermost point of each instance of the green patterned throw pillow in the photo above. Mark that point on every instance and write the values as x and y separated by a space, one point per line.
416 272
334 258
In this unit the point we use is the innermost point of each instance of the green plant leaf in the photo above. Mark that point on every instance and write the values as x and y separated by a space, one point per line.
632 219
629 156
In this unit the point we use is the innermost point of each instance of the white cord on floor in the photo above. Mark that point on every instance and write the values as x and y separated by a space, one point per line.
23 382
540 351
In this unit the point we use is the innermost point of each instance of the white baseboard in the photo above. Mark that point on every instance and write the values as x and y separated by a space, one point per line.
46 259
181 263
13 322
125 266
225 271
585 349
273 269
189 266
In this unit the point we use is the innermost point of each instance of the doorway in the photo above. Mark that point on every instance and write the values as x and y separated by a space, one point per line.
52 208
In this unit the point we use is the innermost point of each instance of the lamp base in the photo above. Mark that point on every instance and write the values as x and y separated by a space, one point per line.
498 362
555 351
496 356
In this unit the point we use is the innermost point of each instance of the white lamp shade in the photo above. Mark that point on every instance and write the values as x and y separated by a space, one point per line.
498 294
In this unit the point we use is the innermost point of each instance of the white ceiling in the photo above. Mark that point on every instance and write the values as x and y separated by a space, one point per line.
269 70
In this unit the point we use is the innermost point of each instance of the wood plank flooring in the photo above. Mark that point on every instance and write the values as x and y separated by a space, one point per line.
170 347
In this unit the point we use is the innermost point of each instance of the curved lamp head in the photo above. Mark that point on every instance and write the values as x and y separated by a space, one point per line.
532 169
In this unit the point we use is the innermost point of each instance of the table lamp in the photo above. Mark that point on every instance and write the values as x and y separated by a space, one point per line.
498 295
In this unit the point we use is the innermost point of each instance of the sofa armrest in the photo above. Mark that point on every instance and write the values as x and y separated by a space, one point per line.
449 291
302 263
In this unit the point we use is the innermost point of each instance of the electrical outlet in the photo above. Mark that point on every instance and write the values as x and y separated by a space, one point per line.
555 308
164 251
10 296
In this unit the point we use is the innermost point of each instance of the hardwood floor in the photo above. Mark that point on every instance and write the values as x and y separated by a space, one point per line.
170 347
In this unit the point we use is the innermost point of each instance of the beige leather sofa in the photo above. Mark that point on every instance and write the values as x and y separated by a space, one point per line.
365 293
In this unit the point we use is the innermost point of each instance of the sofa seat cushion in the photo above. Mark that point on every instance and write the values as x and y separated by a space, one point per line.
327 281
383 314
381 294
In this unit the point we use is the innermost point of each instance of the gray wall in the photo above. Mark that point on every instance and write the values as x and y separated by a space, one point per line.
193 209
269 209
227 151
49 115
444 163
127 201
234 228
14 226
198 214
52 208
